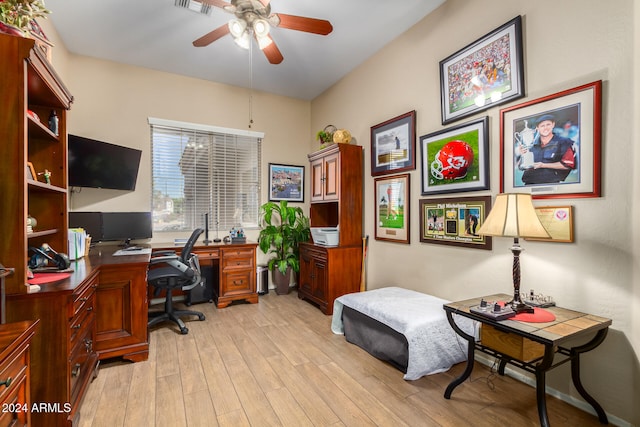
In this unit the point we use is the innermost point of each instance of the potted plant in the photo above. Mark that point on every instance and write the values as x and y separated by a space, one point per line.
283 228
16 15
325 136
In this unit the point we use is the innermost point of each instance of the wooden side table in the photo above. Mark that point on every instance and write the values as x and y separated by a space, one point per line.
532 347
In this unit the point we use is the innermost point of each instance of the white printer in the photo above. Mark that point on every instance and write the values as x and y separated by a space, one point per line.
325 236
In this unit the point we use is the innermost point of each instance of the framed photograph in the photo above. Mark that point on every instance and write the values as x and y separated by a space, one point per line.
550 146
455 221
392 208
31 172
393 145
456 159
487 72
286 182
558 221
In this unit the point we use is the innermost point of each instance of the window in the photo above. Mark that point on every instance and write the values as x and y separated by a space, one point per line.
198 170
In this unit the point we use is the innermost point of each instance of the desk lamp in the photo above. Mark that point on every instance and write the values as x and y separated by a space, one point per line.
513 215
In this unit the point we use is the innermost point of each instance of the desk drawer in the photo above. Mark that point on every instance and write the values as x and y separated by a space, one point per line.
207 254
237 258
13 371
518 347
84 298
16 409
80 323
237 282
80 362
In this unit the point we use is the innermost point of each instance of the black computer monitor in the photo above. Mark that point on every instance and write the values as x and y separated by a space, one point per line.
126 226
91 222
113 226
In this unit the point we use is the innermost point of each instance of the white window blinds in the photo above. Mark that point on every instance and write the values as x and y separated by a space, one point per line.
200 170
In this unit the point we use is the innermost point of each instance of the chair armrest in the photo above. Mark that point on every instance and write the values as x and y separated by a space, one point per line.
163 259
160 253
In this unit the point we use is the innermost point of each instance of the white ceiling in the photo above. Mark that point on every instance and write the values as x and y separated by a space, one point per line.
158 35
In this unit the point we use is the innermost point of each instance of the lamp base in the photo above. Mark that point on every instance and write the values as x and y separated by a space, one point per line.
520 307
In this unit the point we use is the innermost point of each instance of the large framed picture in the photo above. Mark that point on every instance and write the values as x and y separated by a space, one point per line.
455 221
550 146
393 145
456 159
485 73
286 182
392 208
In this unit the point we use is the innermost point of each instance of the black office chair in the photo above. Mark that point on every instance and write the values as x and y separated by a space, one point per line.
171 272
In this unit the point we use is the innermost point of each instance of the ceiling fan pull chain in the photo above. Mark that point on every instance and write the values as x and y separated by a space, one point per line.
250 85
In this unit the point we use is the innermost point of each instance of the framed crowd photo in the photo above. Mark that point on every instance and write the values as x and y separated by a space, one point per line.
455 221
485 73
456 159
392 208
558 221
393 145
286 182
550 146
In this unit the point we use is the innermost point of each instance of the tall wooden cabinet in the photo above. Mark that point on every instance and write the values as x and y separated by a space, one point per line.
63 358
336 201
29 83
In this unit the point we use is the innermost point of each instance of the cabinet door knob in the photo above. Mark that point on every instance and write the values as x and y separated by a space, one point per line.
76 370
6 382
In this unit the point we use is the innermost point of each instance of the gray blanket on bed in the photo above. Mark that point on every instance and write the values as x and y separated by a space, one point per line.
433 345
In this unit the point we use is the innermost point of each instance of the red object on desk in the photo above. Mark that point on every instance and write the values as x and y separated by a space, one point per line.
40 278
539 315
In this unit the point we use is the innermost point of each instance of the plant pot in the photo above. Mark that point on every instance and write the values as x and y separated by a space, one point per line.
282 281
10 29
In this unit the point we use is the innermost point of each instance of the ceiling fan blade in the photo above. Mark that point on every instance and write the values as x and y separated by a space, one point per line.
217 3
301 23
212 36
272 52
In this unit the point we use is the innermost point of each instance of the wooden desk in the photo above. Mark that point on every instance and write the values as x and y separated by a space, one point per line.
235 277
569 325
99 311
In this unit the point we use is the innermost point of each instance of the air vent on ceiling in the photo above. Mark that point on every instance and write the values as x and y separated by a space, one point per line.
195 6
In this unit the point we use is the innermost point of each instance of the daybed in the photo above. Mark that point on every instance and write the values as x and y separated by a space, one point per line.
406 328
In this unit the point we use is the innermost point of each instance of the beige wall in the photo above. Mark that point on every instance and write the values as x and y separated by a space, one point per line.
112 103
566 43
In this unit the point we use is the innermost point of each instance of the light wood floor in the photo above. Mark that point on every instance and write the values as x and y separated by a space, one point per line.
277 363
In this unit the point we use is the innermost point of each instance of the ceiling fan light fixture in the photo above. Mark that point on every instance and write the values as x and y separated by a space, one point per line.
263 42
261 27
243 41
237 28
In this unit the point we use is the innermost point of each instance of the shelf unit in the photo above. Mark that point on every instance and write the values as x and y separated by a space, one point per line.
31 88
336 200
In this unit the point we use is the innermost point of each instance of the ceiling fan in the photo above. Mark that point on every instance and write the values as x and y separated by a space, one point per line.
253 18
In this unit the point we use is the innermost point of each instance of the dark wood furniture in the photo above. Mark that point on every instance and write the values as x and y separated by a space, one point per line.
229 267
15 400
98 312
532 347
29 83
121 304
336 200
